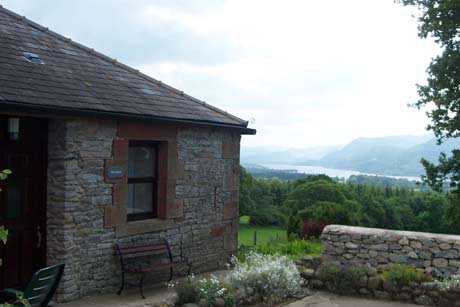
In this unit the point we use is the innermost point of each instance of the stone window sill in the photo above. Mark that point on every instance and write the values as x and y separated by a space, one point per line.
142 226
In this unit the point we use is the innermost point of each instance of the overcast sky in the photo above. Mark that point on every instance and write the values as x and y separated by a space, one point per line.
305 72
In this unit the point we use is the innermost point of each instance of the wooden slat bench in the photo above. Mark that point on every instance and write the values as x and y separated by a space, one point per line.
143 250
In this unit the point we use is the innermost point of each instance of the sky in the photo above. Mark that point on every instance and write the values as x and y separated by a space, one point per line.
304 73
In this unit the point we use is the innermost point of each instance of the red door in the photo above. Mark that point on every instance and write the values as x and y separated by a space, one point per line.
23 201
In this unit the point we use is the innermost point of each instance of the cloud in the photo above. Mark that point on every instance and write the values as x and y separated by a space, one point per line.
121 29
309 72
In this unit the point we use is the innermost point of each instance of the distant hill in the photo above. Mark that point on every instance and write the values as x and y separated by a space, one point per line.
274 155
392 156
396 155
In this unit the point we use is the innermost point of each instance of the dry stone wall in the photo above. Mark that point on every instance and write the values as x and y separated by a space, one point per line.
435 253
79 197
367 261
367 281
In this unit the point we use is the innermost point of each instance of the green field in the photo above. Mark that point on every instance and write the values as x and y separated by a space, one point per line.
272 240
264 235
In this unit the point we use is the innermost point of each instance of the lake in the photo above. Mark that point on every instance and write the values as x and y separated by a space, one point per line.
331 172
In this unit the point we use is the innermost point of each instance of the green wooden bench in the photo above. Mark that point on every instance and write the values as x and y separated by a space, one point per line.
40 290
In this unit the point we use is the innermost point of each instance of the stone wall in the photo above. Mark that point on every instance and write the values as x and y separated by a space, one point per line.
364 280
85 210
380 247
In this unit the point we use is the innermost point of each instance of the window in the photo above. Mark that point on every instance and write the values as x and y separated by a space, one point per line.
142 180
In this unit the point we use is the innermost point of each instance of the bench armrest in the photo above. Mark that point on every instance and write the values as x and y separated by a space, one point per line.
183 258
12 292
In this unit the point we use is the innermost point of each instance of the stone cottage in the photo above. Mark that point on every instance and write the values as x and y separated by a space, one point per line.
101 154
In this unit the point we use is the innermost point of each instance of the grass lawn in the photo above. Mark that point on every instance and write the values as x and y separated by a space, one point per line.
272 240
264 235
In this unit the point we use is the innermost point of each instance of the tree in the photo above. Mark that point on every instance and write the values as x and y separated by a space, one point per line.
294 226
440 19
246 203
347 213
310 192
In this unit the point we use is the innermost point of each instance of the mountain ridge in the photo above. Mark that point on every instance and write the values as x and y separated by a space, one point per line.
397 155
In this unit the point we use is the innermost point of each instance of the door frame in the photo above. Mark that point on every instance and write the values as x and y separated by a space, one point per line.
32 145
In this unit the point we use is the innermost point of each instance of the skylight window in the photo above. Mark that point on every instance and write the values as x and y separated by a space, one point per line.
33 58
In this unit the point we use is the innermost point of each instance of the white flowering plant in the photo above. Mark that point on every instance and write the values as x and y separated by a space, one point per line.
212 289
206 290
273 277
451 282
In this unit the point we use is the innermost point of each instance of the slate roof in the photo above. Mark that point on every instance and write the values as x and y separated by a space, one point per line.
75 79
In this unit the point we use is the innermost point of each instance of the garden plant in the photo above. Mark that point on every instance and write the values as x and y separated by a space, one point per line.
271 278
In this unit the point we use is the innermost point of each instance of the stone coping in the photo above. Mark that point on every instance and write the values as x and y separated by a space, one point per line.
351 230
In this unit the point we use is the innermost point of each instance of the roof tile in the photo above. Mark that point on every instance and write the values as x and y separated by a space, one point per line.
76 77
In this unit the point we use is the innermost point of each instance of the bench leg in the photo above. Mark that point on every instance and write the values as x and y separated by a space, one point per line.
122 282
189 269
141 284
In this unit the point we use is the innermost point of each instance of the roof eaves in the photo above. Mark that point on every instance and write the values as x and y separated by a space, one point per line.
126 67
46 110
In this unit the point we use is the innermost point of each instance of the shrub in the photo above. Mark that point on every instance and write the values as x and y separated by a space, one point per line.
327 271
187 292
400 275
209 289
451 282
350 278
273 277
312 229
244 220
294 249
268 217
342 279
212 289
294 226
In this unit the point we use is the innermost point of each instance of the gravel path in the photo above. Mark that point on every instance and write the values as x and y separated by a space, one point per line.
162 296
326 299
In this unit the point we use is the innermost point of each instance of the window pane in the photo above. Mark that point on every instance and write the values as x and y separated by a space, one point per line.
141 162
140 198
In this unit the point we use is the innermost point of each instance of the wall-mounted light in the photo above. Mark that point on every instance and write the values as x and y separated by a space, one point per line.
13 128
